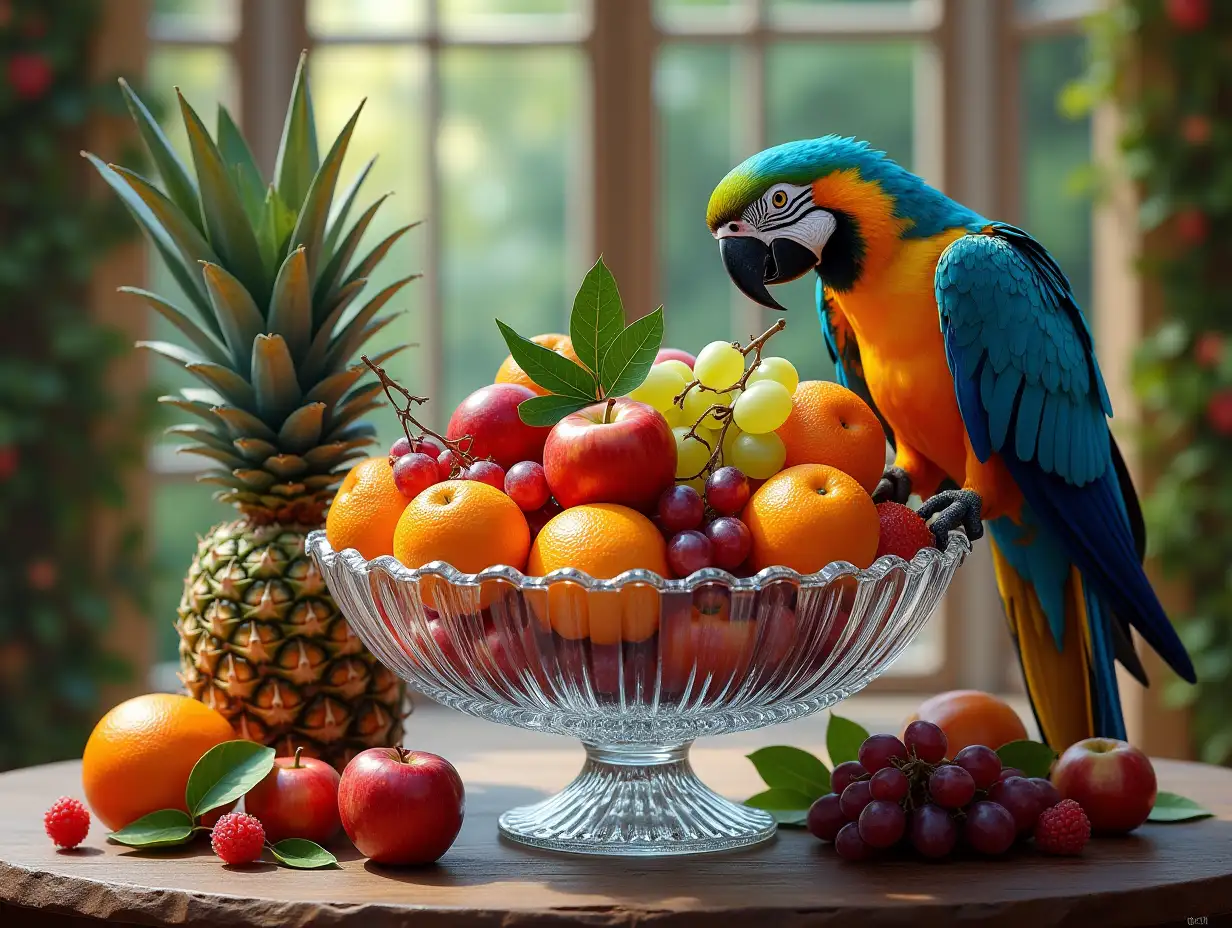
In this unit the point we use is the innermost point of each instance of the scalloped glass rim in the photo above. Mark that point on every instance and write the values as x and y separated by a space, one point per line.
956 549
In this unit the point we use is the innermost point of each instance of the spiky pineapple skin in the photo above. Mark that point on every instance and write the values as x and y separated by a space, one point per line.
262 641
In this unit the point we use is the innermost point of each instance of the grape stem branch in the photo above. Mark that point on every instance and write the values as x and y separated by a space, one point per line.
720 412
461 447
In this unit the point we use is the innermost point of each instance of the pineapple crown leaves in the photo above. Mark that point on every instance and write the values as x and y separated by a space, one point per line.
270 276
615 358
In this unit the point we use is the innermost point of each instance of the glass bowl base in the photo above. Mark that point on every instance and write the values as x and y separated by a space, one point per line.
637 801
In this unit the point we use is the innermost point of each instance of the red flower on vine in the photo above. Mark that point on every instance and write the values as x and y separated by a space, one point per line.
1189 15
1196 129
30 76
1219 411
1192 226
1209 349
41 574
8 462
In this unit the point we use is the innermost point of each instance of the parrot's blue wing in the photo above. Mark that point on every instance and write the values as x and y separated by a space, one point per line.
845 353
1029 388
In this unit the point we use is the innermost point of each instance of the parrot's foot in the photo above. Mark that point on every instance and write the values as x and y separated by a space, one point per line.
894 487
953 509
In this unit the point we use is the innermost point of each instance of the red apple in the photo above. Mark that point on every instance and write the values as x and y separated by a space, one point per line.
401 807
297 799
1112 780
490 417
625 454
675 354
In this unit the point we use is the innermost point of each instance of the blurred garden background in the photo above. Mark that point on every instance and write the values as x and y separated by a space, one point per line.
529 135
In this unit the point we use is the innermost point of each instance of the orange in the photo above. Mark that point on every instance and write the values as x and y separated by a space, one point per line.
829 424
365 512
140 754
511 372
971 717
603 540
810 515
467 524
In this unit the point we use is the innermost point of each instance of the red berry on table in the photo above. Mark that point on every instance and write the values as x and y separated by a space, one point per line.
414 473
989 828
882 823
1063 829
982 763
854 798
727 490
1020 798
879 751
527 486
850 846
902 531
825 817
933 831
67 822
238 838
1048 794
889 783
926 741
688 552
488 472
400 447
731 540
680 508
951 786
447 462
845 774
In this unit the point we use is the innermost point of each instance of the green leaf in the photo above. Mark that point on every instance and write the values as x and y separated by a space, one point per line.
225 773
302 429
166 828
236 312
1034 758
176 179
243 166
554 372
331 274
290 309
298 159
1169 807
791 768
210 344
780 799
338 217
843 739
330 348
274 229
598 317
302 854
273 379
789 818
550 409
365 267
629 358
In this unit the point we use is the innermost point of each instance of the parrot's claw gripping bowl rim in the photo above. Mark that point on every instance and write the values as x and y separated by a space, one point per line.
637 667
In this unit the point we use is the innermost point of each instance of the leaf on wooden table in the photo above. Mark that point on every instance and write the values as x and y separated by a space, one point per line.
302 854
1169 807
165 828
791 768
843 739
1034 758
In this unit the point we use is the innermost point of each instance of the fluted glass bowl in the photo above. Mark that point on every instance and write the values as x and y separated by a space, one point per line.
637 667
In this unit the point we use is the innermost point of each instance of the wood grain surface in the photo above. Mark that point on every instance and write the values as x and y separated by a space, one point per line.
1162 875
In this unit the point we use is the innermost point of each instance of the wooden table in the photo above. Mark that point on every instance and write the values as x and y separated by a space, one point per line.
1163 875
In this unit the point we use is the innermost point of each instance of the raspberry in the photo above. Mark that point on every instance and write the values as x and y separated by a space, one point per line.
238 838
1063 829
67 822
902 531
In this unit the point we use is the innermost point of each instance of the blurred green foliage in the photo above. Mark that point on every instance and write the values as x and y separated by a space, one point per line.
58 464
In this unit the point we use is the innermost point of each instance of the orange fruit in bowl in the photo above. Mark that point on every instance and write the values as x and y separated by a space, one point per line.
140 754
971 717
469 525
511 372
366 510
829 424
603 540
808 516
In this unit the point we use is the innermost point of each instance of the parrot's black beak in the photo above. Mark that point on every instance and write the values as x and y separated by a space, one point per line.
751 265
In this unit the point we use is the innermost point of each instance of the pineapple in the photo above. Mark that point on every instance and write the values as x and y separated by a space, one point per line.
270 329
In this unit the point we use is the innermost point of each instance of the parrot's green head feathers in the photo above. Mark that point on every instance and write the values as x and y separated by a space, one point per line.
831 204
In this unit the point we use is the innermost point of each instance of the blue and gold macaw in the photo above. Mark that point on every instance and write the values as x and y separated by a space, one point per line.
1004 398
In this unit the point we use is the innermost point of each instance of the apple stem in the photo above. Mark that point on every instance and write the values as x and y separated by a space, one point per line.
403 753
607 413
297 764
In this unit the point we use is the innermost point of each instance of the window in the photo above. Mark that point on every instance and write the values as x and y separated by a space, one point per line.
532 134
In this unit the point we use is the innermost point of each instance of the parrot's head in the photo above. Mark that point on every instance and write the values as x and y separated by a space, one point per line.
827 204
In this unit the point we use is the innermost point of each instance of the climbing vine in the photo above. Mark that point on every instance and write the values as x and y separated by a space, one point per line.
64 444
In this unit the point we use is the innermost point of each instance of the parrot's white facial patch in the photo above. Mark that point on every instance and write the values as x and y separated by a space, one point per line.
784 211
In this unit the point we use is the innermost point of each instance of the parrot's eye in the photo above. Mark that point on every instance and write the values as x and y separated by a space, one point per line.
779 199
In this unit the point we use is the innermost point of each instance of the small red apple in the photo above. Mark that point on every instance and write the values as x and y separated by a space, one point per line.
490 417
621 451
401 807
1112 780
297 799
675 354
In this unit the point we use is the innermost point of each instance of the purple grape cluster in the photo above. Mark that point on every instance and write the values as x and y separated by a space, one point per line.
907 792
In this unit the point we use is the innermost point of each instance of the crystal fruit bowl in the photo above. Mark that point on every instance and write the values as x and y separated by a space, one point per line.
637 667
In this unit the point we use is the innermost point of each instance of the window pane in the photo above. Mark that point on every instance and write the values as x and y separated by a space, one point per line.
1055 150
694 90
392 126
518 15
215 19
859 89
510 150
358 17
705 15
